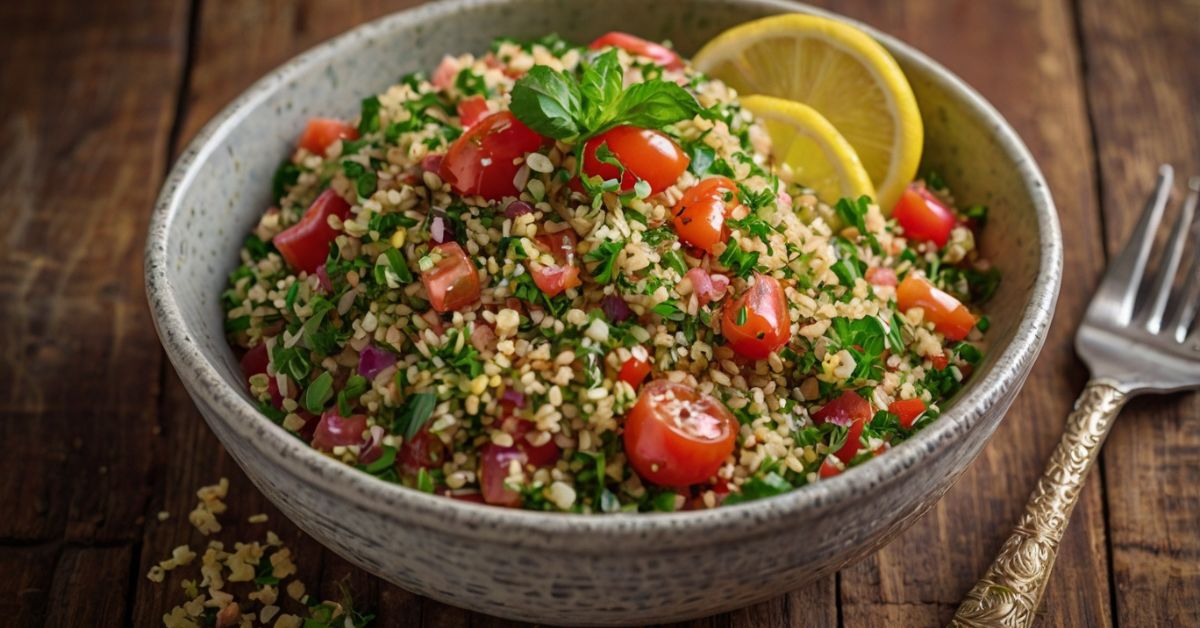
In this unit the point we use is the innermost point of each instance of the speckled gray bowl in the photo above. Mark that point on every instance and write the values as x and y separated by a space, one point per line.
569 569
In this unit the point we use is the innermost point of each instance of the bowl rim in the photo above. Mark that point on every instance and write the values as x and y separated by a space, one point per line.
476 520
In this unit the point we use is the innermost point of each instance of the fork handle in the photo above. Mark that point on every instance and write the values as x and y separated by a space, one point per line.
1011 590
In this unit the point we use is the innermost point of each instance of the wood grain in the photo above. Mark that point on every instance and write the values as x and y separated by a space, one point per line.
1029 69
1144 93
85 127
75 192
26 575
90 587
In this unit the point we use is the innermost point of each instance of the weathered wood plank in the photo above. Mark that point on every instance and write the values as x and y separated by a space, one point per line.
1144 92
273 32
1022 57
908 582
85 117
91 587
195 459
26 574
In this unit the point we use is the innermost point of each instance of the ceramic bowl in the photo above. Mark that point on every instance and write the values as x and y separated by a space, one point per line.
559 568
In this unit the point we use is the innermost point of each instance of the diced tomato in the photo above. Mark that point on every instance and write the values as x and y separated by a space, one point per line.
851 411
940 361
453 282
445 72
881 276
949 317
644 154
554 279
700 214
634 371
542 455
255 361
481 160
634 45
493 470
907 410
474 498
335 430
423 451
305 245
923 216
828 468
758 322
321 132
677 436
471 110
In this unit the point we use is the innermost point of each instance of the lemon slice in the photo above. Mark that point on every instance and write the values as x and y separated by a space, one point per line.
819 156
838 70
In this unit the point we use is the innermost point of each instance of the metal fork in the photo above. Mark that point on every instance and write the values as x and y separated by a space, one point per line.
1132 346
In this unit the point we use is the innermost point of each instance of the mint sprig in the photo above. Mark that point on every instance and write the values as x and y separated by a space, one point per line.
569 108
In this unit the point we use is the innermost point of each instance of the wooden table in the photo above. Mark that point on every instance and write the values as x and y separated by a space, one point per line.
99 96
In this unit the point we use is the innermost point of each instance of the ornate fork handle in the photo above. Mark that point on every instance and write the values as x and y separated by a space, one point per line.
1011 590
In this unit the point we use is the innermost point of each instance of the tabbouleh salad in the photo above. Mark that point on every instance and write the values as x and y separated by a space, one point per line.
572 278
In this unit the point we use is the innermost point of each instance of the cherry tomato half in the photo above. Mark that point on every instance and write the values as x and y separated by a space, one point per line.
851 411
452 283
634 45
644 153
758 322
676 435
949 317
305 245
553 279
923 216
700 214
321 132
481 160
634 371
907 410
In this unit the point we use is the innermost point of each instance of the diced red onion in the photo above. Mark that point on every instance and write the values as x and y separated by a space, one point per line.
708 288
432 163
374 447
517 208
323 277
483 338
514 397
372 360
441 230
615 308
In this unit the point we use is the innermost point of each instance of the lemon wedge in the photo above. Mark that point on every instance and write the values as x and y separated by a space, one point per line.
818 155
842 73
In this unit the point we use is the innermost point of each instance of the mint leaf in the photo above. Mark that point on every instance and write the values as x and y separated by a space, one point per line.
655 104
549 102
601 86
560 106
